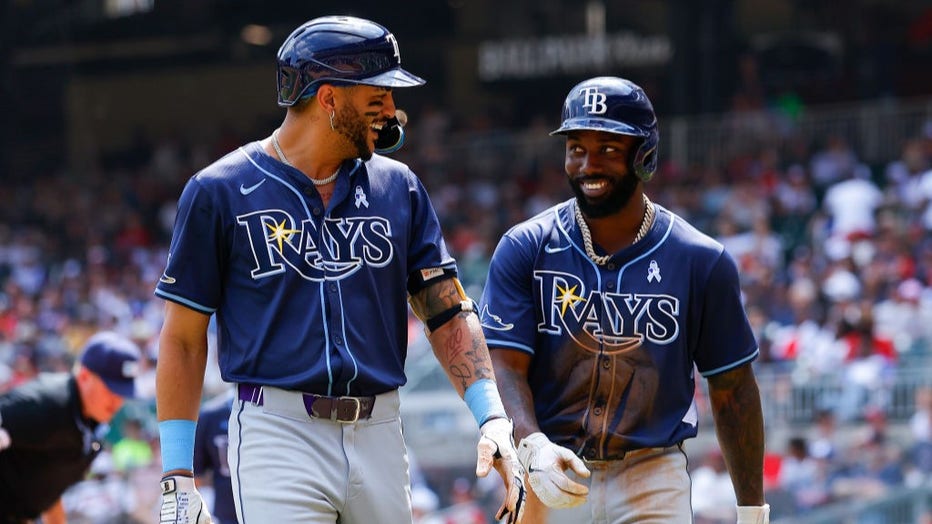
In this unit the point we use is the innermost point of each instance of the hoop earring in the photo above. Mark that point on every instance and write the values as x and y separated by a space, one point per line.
332 114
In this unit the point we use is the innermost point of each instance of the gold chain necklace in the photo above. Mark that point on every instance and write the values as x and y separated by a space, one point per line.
281 156
646 221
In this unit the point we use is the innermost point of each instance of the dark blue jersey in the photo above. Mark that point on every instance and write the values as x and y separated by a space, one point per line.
614 347
210 454
306 297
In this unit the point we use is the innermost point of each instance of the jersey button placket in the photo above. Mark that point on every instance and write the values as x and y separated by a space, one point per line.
333 296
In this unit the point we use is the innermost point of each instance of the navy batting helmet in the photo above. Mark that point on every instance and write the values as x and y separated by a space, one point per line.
338 50
614 105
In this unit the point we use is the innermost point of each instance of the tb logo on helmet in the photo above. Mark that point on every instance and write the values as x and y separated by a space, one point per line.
391 40
594 101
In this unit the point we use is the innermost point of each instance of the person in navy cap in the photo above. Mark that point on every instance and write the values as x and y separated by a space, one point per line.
51 428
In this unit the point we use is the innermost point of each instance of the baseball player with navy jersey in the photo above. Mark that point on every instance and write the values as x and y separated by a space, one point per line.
309 248
211 443
598 310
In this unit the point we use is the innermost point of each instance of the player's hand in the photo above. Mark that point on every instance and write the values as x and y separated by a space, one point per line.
546 464
754 514
181 502
497 449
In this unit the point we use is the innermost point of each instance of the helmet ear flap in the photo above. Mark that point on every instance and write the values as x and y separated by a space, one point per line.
645 161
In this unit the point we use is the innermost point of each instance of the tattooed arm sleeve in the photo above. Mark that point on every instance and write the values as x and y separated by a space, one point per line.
458 344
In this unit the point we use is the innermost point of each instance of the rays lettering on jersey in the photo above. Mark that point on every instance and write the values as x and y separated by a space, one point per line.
342 248
615 321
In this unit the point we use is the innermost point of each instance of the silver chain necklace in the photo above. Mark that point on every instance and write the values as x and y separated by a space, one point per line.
646 221
281 156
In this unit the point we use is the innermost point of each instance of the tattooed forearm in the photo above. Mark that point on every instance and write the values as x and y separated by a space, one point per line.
478 356
460 348
736 408
436 299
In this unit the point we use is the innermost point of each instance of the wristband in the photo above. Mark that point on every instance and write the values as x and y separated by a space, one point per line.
176 438
483 400
754 514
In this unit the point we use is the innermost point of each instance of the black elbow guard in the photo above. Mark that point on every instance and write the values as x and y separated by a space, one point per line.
442 318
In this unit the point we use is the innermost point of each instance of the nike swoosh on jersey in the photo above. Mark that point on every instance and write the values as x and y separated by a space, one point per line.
550 249
165 279
246 190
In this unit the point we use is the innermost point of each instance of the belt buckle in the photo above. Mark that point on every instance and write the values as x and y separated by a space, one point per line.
335 414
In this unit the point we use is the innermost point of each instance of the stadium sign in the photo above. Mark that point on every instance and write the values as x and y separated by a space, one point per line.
526 58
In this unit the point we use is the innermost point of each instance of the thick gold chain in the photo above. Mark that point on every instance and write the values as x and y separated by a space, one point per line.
646 221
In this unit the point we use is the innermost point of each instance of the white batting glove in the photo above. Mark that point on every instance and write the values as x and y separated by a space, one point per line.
546 463
181 502
496 449
754 514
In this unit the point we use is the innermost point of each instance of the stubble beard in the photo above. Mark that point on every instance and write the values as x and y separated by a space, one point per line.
349 123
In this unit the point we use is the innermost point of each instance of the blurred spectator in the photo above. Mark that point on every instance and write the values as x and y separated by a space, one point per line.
102 498
851 202
803 475
833 163
905 174
869 360
713 496
134 449
464 509
424 504
824 442
904 319
920 422
920 428
874 468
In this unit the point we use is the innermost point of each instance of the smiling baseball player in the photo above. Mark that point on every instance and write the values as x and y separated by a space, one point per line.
597 312
307 248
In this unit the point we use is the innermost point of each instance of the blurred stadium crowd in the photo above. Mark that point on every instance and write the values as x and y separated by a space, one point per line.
835 256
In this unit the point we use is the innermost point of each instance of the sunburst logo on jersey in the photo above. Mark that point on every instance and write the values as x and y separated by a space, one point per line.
567 297
279 234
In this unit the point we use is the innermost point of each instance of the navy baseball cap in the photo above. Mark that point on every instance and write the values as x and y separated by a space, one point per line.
115 359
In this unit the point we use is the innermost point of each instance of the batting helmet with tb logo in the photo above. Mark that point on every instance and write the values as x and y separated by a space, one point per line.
614 105
340 50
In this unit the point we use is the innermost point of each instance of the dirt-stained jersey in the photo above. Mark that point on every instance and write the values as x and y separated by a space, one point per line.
614 347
